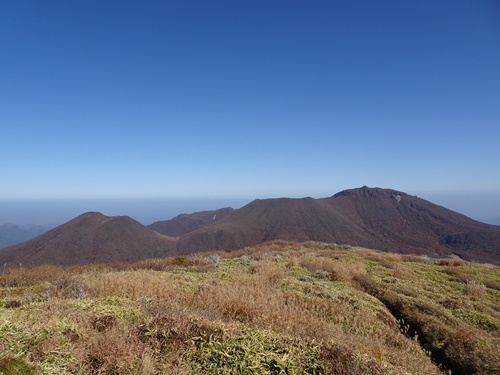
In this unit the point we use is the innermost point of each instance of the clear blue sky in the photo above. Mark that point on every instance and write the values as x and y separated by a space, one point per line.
231 99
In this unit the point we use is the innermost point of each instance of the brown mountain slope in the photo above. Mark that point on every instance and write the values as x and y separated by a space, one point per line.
185 223
269 219
371 217
404 223
91 238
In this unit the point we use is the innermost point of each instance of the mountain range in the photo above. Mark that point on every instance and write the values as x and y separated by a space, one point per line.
376 218
185 223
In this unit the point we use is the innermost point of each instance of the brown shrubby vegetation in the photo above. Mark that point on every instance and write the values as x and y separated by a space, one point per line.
276 308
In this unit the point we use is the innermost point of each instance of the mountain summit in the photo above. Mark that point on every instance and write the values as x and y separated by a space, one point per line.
378 218
91 238
375 218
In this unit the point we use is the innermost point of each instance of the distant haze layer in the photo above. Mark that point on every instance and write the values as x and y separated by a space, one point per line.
54 212
483 207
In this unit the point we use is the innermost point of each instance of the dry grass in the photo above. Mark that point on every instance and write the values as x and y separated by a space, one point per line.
272 309
135 284
451 262
336 269
475 290
22 276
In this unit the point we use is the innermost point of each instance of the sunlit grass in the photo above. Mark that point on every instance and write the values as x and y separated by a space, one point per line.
277 308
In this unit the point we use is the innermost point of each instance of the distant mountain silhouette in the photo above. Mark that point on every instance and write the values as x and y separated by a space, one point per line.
371 217
376 218
11 234
91 238
185 223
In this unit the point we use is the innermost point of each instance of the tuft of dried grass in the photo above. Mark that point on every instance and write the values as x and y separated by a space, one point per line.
28 276
66 286
129 284
416 258
148 363
491 283
270 272
338 270
451 262
114 350
393 257
11 365
475 290
154 264
366 283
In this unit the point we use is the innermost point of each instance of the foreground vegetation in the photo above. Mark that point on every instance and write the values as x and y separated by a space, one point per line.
278 308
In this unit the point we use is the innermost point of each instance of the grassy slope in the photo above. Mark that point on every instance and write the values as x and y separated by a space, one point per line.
278 308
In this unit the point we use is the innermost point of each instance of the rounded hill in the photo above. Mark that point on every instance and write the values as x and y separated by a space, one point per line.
91 238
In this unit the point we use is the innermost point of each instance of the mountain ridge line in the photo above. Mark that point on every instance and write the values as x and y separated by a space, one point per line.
377 218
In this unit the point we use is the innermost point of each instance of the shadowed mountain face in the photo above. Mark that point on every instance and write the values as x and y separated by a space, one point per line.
185 223
371 217
91 238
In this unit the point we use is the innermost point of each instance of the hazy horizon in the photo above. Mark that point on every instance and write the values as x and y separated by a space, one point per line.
484 206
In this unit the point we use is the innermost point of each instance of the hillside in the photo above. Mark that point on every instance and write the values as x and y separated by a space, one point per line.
91 238
372 217
268 219
277 308
185 223
376 218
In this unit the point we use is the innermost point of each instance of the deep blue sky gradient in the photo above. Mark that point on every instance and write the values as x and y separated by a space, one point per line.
248 99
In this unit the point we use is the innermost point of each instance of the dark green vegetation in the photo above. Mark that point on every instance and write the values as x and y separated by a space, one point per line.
278 308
